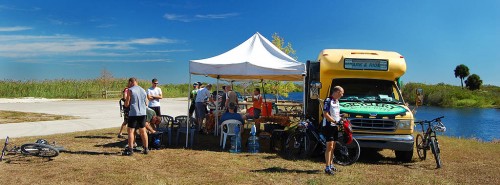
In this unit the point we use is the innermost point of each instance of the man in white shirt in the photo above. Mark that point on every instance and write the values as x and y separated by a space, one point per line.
331 112
202 96
154 96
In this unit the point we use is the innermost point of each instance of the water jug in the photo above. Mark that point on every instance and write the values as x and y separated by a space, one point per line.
253 144
236 141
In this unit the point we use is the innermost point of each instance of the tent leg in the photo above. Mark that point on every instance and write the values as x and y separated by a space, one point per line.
189 116
264 95
216 112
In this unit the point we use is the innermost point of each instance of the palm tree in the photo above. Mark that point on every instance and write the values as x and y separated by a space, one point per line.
461 71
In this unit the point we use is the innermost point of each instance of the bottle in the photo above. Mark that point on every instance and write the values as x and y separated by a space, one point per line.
236 141
253 130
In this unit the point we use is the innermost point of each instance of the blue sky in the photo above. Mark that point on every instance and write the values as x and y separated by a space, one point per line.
146 39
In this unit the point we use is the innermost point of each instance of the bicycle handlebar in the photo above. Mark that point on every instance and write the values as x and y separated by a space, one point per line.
427 121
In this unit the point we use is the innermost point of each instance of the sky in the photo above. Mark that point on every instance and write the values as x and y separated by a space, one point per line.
61 39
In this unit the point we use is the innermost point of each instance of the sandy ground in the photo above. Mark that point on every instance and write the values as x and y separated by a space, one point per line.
95 114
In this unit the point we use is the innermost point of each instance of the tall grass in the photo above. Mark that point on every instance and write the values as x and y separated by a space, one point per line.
445 95
90 88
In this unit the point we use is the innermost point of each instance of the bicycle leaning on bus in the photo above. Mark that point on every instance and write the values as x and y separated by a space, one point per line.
429 139
303 142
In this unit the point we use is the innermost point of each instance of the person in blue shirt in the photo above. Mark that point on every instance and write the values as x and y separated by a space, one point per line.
231 115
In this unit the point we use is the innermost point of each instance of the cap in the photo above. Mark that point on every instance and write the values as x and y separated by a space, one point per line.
195 84
154 80
199 83
209 85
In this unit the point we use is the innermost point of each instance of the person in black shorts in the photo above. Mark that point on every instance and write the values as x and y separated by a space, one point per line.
125 111
331 112
136 101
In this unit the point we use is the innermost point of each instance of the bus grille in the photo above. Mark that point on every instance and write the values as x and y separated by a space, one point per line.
377 125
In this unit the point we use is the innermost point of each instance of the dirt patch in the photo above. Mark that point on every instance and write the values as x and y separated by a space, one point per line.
19 117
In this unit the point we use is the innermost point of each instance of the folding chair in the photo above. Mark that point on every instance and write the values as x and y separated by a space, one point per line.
230 124
183 123
165 126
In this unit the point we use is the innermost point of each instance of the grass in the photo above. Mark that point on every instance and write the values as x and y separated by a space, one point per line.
94 158
444 95
18 117
78 89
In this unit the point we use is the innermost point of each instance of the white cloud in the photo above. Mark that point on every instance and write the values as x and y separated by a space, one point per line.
169 51
199 17
216 16
105 26
15 28
6 7
56 45
149 41
120 60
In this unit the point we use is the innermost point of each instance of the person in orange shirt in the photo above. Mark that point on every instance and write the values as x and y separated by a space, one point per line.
257 103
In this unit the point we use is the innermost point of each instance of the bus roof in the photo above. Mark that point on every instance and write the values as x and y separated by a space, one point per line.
332 62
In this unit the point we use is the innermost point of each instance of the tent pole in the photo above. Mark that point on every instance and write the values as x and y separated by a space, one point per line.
264 93
189 116
216 112
304 96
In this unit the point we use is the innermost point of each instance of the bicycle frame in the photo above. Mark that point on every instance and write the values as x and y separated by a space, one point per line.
4 150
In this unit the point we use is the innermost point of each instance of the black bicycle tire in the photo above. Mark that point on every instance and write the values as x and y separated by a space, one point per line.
39 150
353 147
303 149
435 151
419 144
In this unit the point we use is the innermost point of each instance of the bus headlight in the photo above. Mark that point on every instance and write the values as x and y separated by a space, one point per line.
404 124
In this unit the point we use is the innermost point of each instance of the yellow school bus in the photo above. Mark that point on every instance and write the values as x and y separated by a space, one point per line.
372 97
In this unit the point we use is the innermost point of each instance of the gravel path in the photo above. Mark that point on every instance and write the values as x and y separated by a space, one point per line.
96 114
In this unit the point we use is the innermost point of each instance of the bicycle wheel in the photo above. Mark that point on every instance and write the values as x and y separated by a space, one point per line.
297 146
421 149
435 151
346 154
40 150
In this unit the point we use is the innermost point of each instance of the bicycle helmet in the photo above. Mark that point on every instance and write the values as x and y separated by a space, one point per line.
42 141
440 128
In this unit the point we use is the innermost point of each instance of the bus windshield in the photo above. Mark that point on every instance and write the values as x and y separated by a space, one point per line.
368 90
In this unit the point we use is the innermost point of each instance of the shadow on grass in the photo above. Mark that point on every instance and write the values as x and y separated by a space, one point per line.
91 152
25 159
283 170
94 137
119 144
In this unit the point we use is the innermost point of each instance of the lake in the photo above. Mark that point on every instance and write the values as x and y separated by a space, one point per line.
478 123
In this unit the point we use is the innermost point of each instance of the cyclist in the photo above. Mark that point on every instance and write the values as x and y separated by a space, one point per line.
331 113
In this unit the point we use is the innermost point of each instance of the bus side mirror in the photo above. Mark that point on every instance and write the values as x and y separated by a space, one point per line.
419 101
314 90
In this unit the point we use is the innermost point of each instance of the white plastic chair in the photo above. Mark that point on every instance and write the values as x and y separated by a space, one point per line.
231 124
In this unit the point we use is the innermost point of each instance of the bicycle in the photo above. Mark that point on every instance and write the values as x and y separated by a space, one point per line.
298 145
429 139
40 148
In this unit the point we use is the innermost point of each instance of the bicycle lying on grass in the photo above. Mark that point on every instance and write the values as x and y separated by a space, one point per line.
41 148
306 138
429 139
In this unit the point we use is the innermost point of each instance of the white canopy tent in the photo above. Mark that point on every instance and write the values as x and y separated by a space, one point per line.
255 59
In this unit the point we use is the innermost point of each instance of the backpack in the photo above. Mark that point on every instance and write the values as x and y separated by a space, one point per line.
347 131
156 140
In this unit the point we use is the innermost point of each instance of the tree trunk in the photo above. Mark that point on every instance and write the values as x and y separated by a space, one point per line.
462 82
